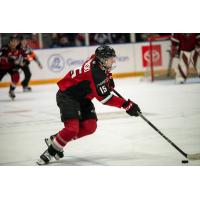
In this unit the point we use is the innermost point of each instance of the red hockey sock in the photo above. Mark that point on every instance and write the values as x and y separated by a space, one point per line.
68 133
15 77
87 127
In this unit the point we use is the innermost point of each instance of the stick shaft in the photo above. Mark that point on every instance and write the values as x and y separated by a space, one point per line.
157 130
165 137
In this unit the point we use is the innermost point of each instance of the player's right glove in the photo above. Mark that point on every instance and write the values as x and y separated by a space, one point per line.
131 108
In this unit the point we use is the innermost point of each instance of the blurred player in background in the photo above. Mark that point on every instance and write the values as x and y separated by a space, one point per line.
9 63
28 56
76 90
186 48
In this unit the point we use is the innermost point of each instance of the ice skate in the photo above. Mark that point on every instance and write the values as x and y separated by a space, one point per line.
182 82
27 89
45 158
12 94
48 142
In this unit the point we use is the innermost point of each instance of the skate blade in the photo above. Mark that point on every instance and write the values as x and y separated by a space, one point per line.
41 162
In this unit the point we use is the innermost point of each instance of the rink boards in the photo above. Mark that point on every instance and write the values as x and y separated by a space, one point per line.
132 60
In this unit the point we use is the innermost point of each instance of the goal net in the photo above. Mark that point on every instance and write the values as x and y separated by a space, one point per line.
159 64
158 58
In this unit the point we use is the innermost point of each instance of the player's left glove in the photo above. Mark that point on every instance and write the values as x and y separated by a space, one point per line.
131 108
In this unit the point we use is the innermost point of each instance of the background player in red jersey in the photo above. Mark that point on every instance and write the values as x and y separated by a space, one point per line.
185 47
76 90
28 56
9 63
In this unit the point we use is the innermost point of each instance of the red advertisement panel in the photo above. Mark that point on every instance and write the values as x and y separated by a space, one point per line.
156 55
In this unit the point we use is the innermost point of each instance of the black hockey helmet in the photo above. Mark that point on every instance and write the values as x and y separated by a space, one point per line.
104 52
13 41
13 37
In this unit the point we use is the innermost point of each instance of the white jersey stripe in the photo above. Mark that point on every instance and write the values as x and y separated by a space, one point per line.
61 139
107 99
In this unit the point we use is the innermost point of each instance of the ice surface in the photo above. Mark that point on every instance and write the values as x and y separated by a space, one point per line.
119 139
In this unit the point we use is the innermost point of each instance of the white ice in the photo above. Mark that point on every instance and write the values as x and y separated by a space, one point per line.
119 139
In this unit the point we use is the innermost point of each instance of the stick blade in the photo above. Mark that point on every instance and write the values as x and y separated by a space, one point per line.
195 156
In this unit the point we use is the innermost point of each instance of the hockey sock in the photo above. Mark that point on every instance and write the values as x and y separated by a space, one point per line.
87 127
67 134
15 78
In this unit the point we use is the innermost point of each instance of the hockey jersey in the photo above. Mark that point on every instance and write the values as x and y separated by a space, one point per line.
185 41
8 58
27 54
90 81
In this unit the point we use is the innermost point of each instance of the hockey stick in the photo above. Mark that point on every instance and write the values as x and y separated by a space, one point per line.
189 156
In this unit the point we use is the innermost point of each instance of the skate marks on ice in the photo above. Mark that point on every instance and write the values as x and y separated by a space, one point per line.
126 159
179 120
117 115
66 161
101 116
17 99
193 80
28 123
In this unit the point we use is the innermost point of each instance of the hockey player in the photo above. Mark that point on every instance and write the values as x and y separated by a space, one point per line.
9 63
76 90
185 47
28 55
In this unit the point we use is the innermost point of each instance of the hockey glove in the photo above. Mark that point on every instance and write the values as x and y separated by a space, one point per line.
131 108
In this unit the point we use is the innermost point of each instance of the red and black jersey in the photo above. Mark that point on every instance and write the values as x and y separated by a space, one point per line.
8 57
186 41
27 54
90 81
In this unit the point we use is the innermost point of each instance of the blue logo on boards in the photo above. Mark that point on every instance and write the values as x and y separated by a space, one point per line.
56 63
